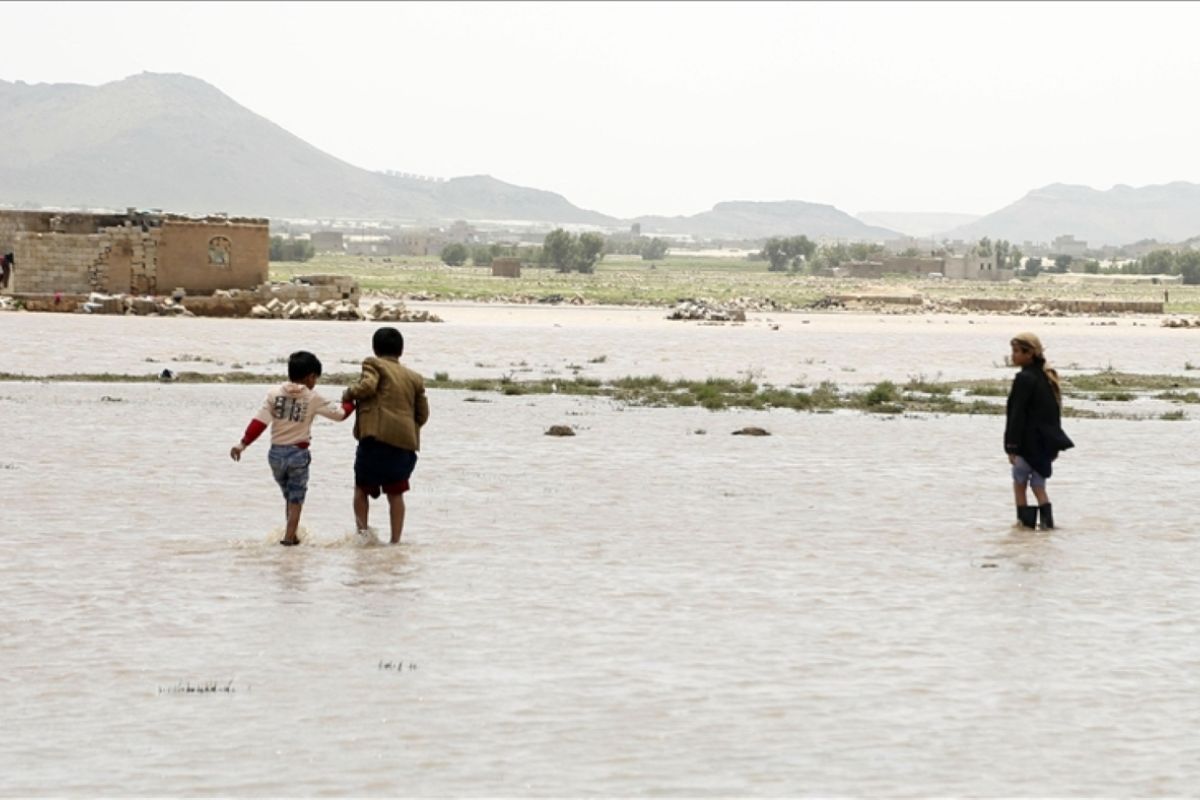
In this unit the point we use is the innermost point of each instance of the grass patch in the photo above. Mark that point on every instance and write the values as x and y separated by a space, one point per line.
1179 397
716 394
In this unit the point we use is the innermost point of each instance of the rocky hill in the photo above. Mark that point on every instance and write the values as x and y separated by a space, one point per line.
756 220
1121 215
175 142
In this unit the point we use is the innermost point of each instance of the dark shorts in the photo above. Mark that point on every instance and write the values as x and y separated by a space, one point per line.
379 467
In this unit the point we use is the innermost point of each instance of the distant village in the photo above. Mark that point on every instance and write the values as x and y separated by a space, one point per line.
59 260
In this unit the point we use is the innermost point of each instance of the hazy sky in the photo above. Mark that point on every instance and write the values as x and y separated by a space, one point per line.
634 108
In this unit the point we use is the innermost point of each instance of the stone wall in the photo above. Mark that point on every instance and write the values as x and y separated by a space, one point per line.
906 265
132 253
1069 306
506 267
202 256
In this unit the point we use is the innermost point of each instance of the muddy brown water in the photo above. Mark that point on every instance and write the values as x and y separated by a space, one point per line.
842 607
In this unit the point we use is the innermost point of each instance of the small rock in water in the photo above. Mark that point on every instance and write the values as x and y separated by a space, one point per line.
560 430
751 431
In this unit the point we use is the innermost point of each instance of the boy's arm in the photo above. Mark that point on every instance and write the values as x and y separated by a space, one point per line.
334 411
253 430
368 382
421 404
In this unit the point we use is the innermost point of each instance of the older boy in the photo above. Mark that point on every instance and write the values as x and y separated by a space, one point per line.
289 409
391 410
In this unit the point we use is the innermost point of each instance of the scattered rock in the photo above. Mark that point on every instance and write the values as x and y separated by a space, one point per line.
751 431
708 311
560 430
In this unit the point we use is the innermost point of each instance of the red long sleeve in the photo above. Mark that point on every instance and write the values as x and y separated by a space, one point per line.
253 431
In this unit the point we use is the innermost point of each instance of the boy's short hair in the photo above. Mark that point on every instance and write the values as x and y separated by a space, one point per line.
301 364
388 342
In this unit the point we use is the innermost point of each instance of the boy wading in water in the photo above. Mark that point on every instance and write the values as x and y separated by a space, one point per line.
391 410
1033 435
289 410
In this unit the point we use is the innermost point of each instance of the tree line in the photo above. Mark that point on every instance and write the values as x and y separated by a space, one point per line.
562 250
290 249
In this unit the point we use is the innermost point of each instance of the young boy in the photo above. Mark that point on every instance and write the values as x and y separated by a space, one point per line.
289 408
391 410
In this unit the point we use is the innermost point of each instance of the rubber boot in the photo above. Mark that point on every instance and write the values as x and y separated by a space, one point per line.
1027 516
1047 514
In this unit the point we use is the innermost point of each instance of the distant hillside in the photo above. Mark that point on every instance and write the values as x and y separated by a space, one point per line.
752 220
1121 215
919 224
177 143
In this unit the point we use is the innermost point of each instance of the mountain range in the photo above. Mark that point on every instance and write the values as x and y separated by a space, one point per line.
174 142
1121 215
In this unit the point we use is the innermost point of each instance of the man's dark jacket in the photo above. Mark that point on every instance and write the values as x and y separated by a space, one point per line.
1034 430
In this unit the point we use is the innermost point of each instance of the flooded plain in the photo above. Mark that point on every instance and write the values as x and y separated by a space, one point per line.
652 607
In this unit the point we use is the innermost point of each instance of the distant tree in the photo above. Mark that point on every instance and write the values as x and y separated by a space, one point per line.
481 256
588 249
984 248
1189 266
910 252
1158 262
775 254
556 248
455 254
1003 251
1033 266
1091 267
788 253
566 252
1015 258
1062 263
290 249
863 251
654 249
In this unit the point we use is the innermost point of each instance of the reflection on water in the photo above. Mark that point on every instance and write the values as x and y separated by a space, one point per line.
843 607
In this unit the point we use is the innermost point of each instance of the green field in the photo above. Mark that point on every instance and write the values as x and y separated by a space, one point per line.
625 280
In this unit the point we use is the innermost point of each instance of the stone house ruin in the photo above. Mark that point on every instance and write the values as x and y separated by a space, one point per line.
138 253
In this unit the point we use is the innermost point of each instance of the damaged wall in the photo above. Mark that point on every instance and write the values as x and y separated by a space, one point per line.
132 253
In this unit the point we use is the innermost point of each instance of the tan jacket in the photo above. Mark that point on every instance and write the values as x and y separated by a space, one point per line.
391 403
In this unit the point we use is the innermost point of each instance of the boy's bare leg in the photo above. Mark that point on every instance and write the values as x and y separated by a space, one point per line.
1040 493
362 508
1019 494
396 508
293 522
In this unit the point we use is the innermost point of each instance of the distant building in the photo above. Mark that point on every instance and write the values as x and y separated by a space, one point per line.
974 267
1068 246
328 241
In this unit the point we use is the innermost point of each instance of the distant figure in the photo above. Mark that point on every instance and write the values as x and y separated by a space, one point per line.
1033 435
392 408
166 376
290 408
6 269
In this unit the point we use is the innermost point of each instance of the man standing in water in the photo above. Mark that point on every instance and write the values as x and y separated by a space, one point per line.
1033 435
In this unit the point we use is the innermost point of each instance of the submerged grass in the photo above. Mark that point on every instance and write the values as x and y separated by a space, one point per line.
918 396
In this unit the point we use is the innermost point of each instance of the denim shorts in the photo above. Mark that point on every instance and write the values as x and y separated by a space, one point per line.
289 465
1023 474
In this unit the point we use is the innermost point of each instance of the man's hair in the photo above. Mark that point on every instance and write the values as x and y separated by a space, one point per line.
388 342
301 364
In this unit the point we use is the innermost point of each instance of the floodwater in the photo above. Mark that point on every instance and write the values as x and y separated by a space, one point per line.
841 608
